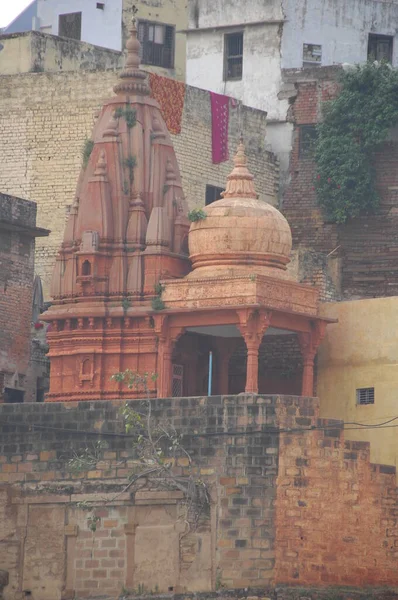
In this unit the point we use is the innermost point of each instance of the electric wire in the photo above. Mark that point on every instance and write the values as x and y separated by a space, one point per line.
339 425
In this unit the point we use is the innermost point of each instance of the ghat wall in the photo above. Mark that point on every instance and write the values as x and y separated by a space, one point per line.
276 523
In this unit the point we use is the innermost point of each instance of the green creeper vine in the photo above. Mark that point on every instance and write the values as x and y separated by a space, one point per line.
355 124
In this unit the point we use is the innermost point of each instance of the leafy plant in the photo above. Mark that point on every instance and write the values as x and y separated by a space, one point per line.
129 115
126 303
87 150
355 125
130 162
196 214
157 303
159 288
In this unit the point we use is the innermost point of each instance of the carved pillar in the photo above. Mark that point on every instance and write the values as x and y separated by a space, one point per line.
165 367
252 325
309 343
167 337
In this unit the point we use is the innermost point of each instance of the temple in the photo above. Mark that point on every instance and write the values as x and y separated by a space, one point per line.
136 288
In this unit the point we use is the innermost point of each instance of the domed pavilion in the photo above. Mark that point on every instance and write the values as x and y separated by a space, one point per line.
126 294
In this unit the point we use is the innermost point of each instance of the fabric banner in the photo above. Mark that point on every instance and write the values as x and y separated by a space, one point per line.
170 94
220 122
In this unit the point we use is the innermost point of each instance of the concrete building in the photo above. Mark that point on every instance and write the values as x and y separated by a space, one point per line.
106 24
17 234
241 53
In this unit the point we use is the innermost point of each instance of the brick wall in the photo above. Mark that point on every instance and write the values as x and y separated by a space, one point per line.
299 508
336 517
16 281
46 117
367 246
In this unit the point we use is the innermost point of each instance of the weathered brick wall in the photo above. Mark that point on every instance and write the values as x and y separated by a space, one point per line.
46 117
368 245
336 512
290 506
16 281
233 545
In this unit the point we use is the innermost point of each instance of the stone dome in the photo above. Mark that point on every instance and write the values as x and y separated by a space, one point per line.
240 234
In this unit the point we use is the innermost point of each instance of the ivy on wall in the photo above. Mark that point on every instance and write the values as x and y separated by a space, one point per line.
355 124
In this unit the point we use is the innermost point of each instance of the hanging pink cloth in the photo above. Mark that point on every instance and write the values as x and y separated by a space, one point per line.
220 122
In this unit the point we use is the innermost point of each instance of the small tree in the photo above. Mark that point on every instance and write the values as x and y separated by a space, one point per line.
157 447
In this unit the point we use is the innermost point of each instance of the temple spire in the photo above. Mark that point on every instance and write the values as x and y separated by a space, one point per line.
240 180
133 79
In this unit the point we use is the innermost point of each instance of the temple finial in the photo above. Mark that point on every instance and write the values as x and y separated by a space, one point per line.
240 180
133 79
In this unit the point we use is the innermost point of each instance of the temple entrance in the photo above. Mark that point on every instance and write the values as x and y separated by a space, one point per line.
279 370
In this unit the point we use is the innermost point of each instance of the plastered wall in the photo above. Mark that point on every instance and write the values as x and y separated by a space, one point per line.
361 351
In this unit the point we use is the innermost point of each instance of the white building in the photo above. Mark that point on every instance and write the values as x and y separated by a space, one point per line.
90 21
239 49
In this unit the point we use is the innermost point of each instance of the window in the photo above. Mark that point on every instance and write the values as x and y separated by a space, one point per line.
12 396
157 44
178 378
86 268
307 139
233 56
380 47
213 193
70 25
365 396
312 55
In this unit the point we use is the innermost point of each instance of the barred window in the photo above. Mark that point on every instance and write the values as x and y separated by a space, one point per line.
70 25
365 396
157 44
312 55
233 56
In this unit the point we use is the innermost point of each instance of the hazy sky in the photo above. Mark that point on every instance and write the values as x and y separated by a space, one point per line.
10 10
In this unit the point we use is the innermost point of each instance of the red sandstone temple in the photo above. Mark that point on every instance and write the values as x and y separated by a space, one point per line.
135 287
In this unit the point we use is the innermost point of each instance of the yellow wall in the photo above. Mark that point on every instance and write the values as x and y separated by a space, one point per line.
362 351
169 12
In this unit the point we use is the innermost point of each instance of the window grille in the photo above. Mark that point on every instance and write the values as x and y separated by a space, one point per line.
177 383
157 44
307 139
380 47
365 396
312 55
213 193
233 56
70 25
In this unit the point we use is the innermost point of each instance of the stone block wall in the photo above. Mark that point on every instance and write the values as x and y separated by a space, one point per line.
294 506
17 222
46 117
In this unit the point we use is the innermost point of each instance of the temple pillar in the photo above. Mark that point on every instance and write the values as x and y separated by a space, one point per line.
165 368
309 343
252 346
252 325
167 338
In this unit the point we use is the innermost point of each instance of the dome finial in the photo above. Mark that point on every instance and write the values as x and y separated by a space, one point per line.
240 180
133 79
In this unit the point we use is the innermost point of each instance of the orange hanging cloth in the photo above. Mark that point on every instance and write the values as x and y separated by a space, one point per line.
171 95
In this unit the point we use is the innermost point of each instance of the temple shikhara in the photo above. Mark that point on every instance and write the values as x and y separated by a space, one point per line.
137 287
